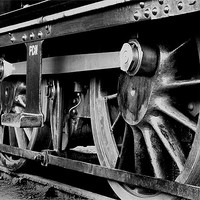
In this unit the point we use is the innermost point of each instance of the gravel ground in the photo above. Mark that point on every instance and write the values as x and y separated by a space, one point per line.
16 189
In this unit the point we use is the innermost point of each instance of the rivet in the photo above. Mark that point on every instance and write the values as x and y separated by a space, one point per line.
12 39
155 11
136 15
142 4
166 9
147 13
180 5
24 37
161 1
48 29
191 106
74 111
32 35
40 34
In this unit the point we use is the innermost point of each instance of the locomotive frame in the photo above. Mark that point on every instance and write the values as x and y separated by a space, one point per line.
91 18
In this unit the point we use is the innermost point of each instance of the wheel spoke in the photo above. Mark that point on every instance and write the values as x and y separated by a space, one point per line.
164 105
1 134
21 139
34 136
154 150
59 116
178 49
24 138
12 136
20 99
139 152
167 136
112 96
126 155
177 84
56 116
116 120
28 132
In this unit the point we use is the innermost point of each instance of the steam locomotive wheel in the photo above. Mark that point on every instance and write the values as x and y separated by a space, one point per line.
150 125
59 136
17 137
24 138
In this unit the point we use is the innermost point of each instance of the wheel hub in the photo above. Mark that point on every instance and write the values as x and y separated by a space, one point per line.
133 99
134 91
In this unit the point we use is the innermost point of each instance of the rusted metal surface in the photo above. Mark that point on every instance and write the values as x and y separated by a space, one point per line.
171 187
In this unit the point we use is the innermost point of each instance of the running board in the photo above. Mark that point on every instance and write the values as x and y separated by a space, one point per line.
170 187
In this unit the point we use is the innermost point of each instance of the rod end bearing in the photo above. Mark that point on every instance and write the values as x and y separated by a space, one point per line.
138 58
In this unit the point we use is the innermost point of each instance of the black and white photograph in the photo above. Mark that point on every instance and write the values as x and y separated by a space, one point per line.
99 100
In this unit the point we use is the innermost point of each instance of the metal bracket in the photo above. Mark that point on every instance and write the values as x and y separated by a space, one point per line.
32 117
43 157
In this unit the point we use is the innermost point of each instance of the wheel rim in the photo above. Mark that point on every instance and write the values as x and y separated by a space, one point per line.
25 138
18 137
158 129
58 130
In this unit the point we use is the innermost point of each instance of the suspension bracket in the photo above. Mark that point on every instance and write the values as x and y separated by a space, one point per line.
32 116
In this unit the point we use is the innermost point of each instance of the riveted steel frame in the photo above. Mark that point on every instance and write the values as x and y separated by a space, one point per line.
95 16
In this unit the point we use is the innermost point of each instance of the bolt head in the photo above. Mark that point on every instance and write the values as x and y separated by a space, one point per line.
155 11
142 4
32 35
147 13
136 15
40 34
126 57
180 5
24 37
166 9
